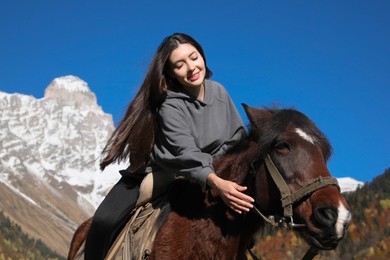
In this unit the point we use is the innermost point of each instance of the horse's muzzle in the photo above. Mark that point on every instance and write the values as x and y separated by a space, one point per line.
328 226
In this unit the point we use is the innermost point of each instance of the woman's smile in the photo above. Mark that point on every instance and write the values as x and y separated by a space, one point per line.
194 77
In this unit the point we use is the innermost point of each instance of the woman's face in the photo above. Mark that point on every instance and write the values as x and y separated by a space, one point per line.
187 66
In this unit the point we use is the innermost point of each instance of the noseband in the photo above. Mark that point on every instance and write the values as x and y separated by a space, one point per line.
288 198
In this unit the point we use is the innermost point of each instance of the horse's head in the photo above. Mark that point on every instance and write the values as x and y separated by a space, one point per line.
299 152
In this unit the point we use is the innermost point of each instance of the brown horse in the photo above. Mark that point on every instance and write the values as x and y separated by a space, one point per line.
283 164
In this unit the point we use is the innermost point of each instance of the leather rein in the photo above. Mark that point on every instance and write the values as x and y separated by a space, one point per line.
288 198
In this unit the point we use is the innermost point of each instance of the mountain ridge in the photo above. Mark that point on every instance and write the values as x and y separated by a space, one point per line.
49 156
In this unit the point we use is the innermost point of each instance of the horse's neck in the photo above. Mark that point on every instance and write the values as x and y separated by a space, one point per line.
236 164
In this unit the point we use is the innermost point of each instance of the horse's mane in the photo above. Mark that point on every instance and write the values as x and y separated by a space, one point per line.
261 138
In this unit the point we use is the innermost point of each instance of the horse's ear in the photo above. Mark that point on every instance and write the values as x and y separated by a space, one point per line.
257 117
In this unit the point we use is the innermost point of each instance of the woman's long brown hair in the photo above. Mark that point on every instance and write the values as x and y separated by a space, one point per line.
133 139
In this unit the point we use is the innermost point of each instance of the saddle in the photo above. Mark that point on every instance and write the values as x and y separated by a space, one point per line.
136 239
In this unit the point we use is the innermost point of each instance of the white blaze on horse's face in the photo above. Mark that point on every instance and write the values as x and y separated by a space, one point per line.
344 216
304 135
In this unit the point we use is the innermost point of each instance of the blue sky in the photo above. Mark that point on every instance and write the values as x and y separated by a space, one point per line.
328 59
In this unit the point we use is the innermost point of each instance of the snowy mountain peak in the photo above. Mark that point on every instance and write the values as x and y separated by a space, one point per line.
348 184
71 84
49 159
71 91
59 137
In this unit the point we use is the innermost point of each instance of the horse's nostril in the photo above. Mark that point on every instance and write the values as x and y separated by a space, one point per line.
325 216
346 226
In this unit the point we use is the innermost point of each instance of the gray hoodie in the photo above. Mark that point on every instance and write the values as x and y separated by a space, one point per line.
192 133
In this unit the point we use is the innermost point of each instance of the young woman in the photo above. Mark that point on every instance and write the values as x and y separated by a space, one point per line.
178 122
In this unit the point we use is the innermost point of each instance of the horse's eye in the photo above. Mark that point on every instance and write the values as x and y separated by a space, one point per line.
282 147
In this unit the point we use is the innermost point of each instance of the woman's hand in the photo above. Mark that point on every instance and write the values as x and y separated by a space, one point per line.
231 193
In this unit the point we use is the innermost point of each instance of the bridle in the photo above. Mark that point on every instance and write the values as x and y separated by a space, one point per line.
288 198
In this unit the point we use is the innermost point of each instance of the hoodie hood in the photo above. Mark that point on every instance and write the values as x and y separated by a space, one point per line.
177 92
